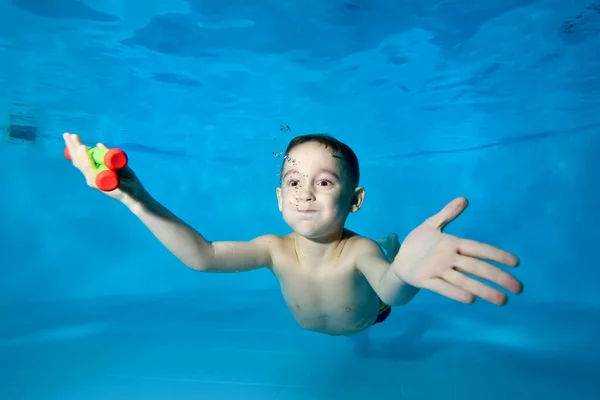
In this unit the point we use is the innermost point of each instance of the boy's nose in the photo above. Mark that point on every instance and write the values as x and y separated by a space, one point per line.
305 194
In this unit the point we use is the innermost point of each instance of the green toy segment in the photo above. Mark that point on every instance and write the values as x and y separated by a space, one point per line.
101 167
97 155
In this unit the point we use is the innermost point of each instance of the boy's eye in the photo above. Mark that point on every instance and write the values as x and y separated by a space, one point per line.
296 182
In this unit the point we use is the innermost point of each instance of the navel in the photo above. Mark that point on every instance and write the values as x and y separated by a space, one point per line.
348 309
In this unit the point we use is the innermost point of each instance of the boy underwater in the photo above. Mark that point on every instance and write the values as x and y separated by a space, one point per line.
333 280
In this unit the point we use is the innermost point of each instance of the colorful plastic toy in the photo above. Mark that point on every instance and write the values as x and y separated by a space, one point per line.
107 163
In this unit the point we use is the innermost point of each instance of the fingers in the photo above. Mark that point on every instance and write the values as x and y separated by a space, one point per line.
488 272
477 268
453 292
80 157
450 212
485 251
468 261
475 287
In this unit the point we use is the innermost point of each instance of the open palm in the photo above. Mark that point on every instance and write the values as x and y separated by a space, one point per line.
433 260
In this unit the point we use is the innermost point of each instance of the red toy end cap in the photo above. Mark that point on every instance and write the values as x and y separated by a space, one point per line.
107 181
115 159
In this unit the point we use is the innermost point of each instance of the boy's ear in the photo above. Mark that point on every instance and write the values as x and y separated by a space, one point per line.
357 199
279 201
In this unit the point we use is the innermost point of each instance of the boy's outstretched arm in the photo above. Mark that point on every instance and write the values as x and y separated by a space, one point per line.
178 237
192 249
436 261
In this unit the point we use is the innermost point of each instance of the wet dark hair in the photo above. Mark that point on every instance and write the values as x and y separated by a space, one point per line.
343 151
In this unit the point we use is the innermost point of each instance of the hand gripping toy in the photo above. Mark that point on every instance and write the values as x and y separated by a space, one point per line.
107 163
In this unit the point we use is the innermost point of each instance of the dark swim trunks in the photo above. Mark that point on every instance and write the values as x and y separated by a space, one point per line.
384 312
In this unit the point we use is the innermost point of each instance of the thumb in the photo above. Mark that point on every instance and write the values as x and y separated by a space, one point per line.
449 213
101 146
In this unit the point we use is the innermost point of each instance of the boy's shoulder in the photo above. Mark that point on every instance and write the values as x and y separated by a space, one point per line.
349 237
352 247
272 242
359 244
352 242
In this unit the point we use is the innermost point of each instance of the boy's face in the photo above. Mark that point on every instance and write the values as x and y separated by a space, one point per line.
315 196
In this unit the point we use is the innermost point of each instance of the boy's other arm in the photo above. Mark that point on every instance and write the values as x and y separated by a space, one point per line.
191 248
371 262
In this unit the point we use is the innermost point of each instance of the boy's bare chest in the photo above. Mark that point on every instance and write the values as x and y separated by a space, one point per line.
318 277
322 297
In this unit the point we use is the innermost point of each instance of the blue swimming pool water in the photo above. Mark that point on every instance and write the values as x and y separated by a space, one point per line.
496 100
